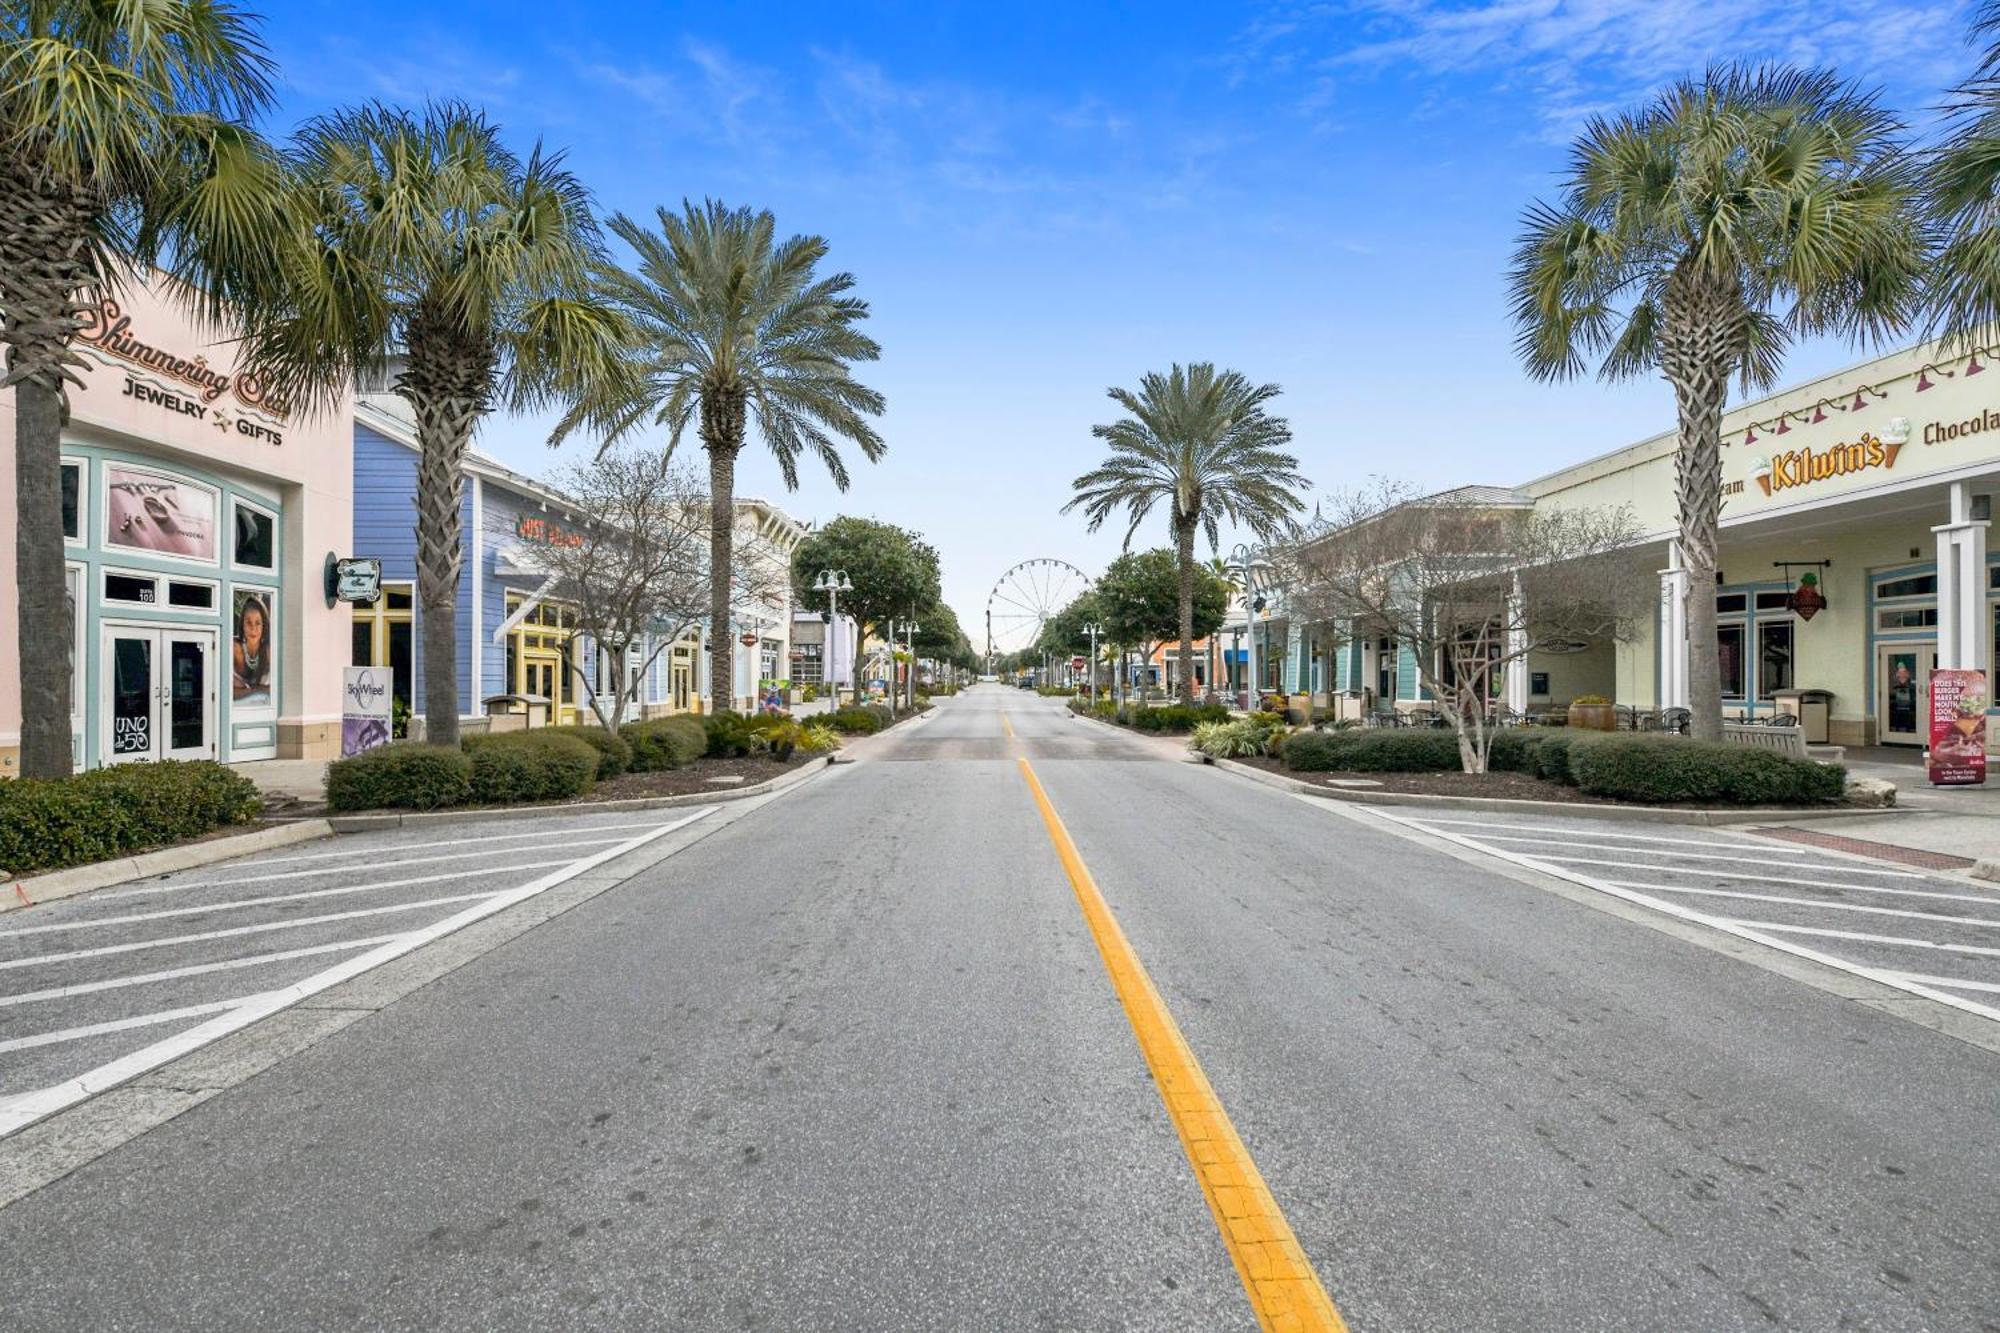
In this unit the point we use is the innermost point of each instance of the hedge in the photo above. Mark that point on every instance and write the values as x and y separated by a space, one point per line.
539 765
614 752
662 743
1173 717
403 776
49 823
1658 769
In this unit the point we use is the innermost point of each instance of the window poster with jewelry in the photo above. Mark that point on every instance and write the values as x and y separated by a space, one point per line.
163 515
250 675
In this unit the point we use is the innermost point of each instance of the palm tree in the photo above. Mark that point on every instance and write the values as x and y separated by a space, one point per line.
124 144
1695 238
1964 298
419 238
1201 441
734 326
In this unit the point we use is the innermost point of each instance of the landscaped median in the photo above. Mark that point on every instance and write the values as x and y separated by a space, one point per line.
661 757
1572 768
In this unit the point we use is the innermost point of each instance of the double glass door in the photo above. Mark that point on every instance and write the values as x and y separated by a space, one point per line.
159 694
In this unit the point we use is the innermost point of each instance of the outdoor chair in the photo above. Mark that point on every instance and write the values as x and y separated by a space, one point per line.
1676 721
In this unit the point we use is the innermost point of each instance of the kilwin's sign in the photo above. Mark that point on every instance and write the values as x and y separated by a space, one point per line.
1802 467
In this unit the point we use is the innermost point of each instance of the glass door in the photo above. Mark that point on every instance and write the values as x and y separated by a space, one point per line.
1902 693
187 724
132 690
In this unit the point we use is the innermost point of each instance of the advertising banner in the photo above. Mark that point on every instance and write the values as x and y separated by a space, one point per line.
365 711
1958 728
162 515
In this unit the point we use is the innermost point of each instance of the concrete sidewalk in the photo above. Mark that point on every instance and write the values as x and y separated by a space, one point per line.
1961 822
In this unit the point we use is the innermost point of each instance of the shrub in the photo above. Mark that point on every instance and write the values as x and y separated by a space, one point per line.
809 693
860 719
539 765
662 743
402 776
48 823
730 735
1553 752
1509 750
818 738
1227 740
614 752
1657 769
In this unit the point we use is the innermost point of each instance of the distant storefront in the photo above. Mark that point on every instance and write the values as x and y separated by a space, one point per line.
514 637
197 517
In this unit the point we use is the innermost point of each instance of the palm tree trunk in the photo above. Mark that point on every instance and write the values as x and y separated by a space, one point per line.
1184 560
43 625
1703 341
447 384
722 436
46 274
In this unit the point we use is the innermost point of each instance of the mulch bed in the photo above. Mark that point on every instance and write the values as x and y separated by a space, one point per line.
697 776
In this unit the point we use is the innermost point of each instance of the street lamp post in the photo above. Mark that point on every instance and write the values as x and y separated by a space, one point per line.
1093 629
833 582
1249 559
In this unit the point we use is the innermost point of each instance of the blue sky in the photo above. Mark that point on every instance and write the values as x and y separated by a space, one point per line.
1043 200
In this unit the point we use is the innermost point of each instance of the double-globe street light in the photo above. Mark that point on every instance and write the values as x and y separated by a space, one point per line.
1251 561
1093 629
832 582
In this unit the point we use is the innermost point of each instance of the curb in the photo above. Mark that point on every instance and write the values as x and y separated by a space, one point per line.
1985 867
1644 814
68 883
446 818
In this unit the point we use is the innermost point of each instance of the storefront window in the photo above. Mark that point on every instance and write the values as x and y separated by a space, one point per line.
72 501
1911 585
383 636
158 514
256 538
1774 657
253 649
1729 651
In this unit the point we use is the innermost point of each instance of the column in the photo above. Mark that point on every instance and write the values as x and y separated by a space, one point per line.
1516 650
1295 643
1963 639
1673 631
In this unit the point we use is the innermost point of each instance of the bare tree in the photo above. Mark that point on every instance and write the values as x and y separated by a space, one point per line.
1473 582
630 557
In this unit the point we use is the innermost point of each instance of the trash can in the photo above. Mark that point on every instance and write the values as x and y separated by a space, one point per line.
534 708
1810 707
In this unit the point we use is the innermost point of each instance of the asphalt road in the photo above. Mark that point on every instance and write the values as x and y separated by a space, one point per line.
852 1061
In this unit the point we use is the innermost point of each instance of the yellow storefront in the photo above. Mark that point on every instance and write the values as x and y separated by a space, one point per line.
539 651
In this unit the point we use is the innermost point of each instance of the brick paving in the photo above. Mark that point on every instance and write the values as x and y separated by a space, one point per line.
1880 851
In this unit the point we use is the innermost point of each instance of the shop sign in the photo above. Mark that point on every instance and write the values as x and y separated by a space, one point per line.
366 710
1943 432
544 533
1802 467
106 328
1957 755
356 580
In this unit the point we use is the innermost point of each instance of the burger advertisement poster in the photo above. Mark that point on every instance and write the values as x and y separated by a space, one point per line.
1958 728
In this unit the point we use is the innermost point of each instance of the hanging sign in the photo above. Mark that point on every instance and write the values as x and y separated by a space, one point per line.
1958 729
356 580
366 709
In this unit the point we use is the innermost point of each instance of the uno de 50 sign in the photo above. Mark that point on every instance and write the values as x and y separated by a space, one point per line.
1802 467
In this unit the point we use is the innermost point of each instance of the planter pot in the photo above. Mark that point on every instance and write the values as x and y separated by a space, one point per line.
1595 717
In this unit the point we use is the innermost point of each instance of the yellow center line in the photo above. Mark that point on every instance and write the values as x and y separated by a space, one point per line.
1007 726
1284 1291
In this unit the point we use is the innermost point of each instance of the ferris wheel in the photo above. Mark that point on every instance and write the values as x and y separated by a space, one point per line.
1025 597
